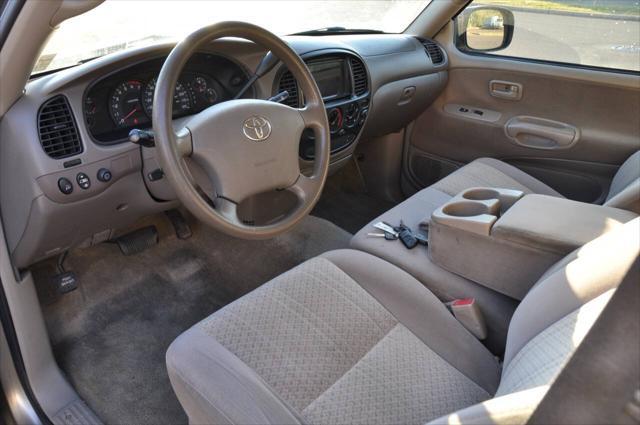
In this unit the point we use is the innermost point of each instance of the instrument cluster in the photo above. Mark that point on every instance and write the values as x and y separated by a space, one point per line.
124 100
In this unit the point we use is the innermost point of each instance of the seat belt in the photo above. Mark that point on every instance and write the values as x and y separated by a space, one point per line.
601 382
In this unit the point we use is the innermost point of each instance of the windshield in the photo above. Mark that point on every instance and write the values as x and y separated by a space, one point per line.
117 25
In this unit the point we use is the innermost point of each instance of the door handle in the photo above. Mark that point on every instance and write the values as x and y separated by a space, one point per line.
505 89
540 133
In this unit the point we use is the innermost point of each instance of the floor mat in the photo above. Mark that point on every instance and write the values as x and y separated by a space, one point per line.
110 335
346 203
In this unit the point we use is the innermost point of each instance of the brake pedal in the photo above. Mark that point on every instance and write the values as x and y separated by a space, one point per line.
137 241
180 225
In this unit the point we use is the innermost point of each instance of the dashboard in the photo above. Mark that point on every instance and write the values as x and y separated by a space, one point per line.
75 179
121 101
345 88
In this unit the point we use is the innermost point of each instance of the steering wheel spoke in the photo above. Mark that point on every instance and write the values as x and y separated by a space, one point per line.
312 116
184 142
228 210
304 187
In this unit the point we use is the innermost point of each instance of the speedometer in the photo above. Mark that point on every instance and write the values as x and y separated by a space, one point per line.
181 99
125 106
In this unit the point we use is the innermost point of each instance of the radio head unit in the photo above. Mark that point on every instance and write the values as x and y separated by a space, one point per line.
332 77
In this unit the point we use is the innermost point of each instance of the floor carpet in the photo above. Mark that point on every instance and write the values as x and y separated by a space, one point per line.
347 204
110 335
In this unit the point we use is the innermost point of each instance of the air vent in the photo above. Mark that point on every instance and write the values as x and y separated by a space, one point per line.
289 83
434 51
58 132
359 77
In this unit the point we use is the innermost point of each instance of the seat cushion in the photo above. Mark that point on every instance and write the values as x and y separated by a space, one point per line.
489 172
342 338
447 286
625 188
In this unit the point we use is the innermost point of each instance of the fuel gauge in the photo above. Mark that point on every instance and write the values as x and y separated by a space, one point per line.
211 95
199 84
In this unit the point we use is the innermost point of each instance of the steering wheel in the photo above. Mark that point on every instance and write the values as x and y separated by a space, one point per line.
245 146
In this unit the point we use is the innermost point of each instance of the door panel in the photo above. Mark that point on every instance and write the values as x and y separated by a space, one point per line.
569 129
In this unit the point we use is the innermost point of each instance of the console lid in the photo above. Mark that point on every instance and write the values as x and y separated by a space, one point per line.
556 224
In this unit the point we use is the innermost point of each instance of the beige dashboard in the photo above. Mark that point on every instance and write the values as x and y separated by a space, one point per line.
57 196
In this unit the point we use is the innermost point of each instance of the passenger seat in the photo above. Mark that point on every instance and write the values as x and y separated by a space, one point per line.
624 191
484 172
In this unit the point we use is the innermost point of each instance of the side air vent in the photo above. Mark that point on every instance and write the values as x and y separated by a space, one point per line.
289 83
58 132
359 77
434 51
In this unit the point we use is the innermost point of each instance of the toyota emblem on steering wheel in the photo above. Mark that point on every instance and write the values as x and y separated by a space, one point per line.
256 128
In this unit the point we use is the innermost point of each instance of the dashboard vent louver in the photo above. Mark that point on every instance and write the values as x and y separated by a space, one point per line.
359 77
434 51
57 128
289 83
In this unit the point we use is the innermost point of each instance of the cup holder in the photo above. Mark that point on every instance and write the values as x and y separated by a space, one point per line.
481 194
465 209
476 209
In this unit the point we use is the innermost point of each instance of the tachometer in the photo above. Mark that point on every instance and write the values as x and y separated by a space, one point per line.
125 106
181 98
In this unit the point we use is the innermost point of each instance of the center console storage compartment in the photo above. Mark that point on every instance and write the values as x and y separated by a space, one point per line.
505 240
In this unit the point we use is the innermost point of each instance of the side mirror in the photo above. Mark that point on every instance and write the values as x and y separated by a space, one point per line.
484 29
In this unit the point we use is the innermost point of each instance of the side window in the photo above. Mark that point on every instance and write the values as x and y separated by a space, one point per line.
598 33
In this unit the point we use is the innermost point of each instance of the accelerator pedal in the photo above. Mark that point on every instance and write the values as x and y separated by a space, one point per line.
137 241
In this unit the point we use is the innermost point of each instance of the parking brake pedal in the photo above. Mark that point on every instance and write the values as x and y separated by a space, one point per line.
180 225
138 240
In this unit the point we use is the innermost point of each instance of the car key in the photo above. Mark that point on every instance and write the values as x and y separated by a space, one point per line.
386 228
388 236
407 238
422 239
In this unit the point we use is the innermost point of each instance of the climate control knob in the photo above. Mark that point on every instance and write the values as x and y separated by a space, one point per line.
334 116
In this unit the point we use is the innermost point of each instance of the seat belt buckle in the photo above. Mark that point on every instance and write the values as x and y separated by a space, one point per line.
468 313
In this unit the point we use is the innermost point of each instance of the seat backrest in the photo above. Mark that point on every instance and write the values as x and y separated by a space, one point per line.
624 191
550 323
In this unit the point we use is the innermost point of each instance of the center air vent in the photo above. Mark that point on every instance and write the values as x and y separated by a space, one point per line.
57 128
360 85
434 51
289 83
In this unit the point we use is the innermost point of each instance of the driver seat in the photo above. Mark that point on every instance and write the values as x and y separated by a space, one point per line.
347 337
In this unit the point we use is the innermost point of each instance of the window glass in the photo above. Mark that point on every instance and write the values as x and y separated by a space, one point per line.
117 25
601 33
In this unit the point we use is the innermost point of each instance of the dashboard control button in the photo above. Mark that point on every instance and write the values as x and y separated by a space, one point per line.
65 185
104 175
83 181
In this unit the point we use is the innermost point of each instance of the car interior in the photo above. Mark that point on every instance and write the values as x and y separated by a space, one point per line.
372 212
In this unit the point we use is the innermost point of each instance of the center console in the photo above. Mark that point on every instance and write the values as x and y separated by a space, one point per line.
505 240
344 84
